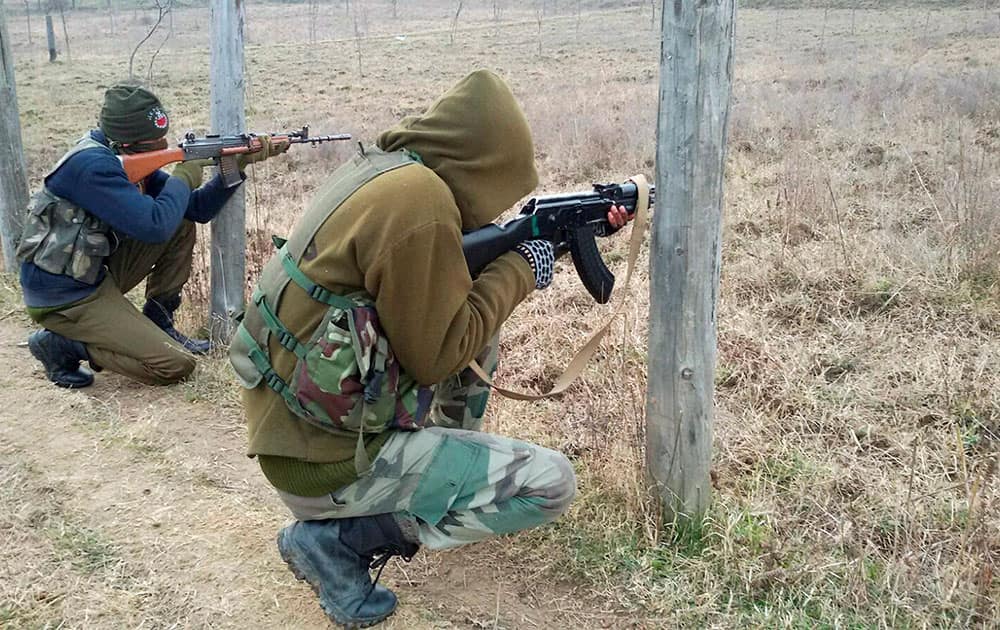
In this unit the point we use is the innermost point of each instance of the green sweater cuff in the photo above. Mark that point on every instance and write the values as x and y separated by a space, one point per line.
310 479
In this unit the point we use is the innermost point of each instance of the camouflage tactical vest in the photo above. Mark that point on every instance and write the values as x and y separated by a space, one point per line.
61 237
346 379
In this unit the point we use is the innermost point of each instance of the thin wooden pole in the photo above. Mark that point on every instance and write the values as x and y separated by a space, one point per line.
27 17
228 116
696 58
13 183
62 16
50 36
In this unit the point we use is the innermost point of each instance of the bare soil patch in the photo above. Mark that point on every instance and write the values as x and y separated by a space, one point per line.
128 506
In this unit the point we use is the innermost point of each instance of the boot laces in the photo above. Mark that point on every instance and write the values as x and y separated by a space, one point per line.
382 557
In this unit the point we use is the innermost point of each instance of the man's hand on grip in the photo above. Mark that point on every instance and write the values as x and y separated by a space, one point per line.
618 216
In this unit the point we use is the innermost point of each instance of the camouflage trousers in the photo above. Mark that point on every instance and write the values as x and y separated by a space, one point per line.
449 486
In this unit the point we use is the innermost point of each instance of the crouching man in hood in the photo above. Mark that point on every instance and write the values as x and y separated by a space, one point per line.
361 409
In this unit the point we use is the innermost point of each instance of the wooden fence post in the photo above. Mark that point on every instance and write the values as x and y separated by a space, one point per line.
695 75
227 117
27 18
50 36
13 183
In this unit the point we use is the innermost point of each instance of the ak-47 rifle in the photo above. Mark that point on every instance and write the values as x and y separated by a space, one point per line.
223 149
570 222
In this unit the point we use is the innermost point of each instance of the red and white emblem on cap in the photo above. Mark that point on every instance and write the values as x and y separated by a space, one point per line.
159 117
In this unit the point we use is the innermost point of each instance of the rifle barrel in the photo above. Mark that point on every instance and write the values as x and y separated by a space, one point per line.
319 139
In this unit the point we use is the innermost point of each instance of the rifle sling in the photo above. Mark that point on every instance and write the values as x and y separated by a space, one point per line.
582 356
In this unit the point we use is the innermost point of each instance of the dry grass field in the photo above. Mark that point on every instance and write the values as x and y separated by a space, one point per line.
858 427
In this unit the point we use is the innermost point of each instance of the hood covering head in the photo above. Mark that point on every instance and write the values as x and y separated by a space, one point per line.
475 137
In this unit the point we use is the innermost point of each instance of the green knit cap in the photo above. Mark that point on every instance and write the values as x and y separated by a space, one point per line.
132 114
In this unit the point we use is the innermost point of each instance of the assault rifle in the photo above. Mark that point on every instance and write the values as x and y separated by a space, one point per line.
570 222
224 149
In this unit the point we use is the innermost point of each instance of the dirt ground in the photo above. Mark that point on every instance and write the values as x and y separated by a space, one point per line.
130 506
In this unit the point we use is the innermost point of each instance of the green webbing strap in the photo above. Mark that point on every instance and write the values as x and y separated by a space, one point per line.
315 291
263 365
413 155
286 338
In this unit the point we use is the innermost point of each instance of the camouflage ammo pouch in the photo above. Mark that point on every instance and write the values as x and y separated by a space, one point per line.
62 238
346 379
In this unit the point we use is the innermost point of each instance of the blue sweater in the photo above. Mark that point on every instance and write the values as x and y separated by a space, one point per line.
95 180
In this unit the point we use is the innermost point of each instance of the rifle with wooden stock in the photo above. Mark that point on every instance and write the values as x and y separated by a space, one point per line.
223 149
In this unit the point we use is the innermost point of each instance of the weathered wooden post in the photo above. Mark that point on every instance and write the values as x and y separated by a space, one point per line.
227 117
13 183
27 17
50 36
696 59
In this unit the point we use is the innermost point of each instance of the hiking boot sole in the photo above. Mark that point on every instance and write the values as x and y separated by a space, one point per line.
308 576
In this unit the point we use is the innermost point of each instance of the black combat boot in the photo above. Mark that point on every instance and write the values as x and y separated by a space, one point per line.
161 311
61 358
334 558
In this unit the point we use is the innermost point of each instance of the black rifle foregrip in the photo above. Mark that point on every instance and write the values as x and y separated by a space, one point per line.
594 274
483 246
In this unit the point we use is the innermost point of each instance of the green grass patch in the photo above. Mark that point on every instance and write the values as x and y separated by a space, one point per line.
752 532
86 549
981 283
748 563
8 614
978 425
782 471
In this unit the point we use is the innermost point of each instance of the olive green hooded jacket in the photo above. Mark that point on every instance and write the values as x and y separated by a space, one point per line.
399 237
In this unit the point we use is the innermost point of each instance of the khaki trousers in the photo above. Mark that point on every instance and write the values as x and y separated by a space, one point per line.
120 338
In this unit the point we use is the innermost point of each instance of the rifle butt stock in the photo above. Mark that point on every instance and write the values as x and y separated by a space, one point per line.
139 166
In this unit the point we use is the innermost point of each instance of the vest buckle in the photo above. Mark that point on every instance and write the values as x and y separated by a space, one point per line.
274 382
319 294
287 340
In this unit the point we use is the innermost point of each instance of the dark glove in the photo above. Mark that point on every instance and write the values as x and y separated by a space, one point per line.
268 149
542 258
190 172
